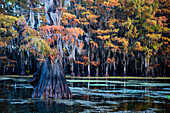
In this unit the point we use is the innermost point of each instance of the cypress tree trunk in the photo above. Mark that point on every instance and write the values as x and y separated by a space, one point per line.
22 64
52 82
97 67
72 69
108 64
141 68
89 60
124 63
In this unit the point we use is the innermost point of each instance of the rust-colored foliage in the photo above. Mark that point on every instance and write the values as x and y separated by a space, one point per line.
3 58
95 63
78 62
85 57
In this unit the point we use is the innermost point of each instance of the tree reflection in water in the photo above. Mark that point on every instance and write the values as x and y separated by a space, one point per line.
57 106
15 96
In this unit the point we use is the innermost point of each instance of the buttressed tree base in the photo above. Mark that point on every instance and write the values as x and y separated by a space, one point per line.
52 83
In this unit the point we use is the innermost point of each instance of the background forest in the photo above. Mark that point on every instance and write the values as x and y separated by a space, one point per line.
89 37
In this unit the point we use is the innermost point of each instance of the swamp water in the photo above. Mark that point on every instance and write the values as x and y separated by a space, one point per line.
88 96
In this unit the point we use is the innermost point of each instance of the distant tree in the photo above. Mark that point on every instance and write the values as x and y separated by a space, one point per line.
7 37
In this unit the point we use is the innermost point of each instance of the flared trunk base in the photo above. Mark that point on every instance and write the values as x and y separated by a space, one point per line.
52 83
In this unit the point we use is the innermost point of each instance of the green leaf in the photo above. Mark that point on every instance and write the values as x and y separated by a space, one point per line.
168 97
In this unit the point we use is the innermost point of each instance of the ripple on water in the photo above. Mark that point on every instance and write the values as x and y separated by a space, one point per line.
151 97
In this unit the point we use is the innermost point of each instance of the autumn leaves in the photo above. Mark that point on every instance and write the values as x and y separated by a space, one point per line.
111 35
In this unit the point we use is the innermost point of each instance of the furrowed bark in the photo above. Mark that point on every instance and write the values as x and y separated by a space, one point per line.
52 83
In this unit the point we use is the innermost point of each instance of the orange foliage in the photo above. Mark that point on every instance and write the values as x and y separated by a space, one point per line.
103 37
52 57
56 28
81 45
109 44
4 58
149 1
72 41
111 3
40 59
94 44
72 0
3 43
77 20
70 30
82 19
65 22
50 40
85 23
165 38
68 16
103 31
95 63
61 8
85 58
79 7
91 16
109 60
89 1
138 46
73 23
162 19
78 62
79 30
55 37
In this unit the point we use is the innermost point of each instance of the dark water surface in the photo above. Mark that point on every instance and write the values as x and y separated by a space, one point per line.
88 96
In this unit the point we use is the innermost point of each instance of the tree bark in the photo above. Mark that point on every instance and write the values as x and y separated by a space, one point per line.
89 61
124 63
108 64
52 83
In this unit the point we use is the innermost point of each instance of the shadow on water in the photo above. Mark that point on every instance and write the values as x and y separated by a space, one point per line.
99 96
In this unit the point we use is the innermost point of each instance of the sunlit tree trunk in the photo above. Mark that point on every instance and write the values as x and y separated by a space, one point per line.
146 65
124 63
89 61
114 64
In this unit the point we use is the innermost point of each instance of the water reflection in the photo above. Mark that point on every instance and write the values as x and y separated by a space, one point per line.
15 96
56 106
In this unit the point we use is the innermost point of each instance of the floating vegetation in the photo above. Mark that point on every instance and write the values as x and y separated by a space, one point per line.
97 98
